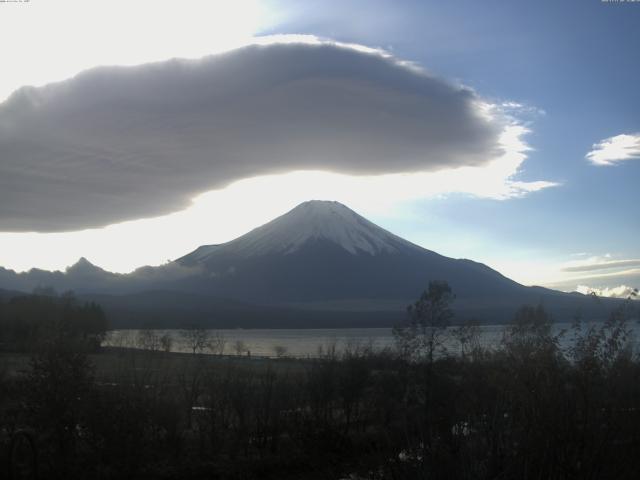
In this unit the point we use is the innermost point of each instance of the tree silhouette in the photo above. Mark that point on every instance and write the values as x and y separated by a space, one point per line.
428 319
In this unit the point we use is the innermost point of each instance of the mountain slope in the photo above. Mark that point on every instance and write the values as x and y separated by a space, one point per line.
324 254
325 251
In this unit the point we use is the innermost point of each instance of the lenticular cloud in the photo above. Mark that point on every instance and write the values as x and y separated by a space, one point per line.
123 143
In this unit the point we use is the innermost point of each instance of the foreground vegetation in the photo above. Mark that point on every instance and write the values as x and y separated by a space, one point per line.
529 409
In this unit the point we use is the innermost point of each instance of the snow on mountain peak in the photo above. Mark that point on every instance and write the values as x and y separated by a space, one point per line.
318 220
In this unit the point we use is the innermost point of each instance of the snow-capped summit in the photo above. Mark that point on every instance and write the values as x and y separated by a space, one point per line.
319 220
310 222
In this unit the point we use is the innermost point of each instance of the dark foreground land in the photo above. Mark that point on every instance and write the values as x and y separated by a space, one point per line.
528 410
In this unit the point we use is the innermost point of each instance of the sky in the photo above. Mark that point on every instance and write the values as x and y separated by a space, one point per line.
503 132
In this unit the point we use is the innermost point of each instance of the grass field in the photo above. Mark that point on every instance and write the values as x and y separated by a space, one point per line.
111 363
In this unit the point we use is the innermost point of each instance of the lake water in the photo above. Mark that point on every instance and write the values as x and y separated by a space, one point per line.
301 343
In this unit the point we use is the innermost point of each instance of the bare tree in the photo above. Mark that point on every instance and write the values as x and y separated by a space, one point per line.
196 339
280 350
468 336
148 340
428 319
166 342
239 347
217 343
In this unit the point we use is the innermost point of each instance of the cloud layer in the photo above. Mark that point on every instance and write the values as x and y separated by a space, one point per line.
116 143
613 150
602 265
608 273
621 291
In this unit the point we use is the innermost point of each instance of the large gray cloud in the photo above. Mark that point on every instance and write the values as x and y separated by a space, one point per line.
121 143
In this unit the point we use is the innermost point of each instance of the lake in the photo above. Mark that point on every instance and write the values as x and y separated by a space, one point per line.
303 343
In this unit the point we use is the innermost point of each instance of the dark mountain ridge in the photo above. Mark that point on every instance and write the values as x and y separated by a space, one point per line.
321 264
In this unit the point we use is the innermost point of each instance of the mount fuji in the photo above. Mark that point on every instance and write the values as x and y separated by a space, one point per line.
320 264
323 251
